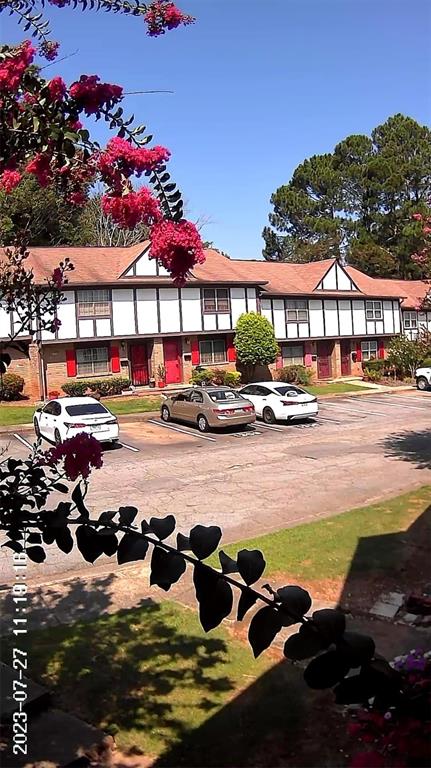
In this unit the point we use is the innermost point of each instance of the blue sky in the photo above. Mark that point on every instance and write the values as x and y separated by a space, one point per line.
258 86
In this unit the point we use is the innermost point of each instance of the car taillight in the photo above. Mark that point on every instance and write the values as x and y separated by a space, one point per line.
314 400
248 408
288 402
111 421
223 410
74 425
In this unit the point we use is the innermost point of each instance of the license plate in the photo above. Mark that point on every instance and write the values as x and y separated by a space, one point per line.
99 428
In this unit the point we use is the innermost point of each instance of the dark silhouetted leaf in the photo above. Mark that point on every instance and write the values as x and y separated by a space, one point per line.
295 599
166 568
330 623
356 648
48 535
183 542
382 679
246 601
131 547
107 516
162 526
204 540
61 487
354 690
326 670
264 626
34 538
89 543
64 540
228 565
251 565
214 596
78 499
127 515
306 643
37 554
109 542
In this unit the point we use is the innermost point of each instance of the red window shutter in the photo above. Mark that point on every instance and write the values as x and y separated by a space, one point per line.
115 360
231 351
358 352
196 358
381 349
70 362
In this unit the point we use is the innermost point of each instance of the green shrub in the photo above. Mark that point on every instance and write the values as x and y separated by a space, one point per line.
372 375
106 387
232 378
11 386
426 363
374 365
255 343
295 374
202 376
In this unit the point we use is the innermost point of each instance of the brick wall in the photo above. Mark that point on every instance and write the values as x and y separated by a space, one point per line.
26 366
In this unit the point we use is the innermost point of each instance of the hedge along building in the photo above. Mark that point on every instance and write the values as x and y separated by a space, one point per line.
122 315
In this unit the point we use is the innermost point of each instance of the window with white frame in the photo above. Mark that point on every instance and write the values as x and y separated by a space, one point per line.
212 351
92 361
296 311
94 303
410 320
369 349
373 310
216 300
292 354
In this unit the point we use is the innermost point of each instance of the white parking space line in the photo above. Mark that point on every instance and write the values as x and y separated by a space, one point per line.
183 431
269 426
411 400
403 405
130 447
326 418
23 441
352 410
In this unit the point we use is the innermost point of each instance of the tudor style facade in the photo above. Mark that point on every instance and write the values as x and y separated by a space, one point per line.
122 315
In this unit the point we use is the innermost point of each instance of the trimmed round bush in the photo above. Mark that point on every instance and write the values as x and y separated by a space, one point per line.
11 386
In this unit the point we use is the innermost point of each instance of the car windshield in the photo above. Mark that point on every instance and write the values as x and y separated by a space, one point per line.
86 409
289 390
224 394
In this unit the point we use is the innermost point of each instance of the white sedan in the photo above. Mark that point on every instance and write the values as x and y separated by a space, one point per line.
68 416
275 400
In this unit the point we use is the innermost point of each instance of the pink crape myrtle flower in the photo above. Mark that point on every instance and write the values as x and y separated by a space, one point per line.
9 180
79 455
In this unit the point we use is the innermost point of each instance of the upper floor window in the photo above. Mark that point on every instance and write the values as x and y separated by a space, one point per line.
296 311
369 349
216 300
212 351
410 320
292 354
91 361
94 303
373 310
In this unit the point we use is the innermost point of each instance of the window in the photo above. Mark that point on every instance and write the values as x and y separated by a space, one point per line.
223 395
369 350
296 311
195 397
94 303
410 320
92 360
293 354
289 390
216 300
373 310
212 351
87 409
52 408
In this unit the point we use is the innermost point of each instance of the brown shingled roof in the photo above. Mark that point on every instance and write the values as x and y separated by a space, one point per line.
413 292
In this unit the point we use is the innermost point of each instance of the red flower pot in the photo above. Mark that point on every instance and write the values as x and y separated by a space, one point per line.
161 384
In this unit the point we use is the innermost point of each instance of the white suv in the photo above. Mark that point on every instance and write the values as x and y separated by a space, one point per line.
423 378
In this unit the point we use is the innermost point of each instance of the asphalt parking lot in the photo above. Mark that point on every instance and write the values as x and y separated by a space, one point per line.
357 450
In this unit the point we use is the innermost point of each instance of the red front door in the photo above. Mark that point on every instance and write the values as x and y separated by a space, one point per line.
139 364
171 354
324 363
345 357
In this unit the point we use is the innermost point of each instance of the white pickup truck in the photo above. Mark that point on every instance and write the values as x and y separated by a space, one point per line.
423 378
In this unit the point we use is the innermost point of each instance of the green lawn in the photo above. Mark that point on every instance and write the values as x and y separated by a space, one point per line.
23 414
334 389
150 675
325 549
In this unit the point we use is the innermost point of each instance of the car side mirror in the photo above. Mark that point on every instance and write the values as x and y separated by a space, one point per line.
39 410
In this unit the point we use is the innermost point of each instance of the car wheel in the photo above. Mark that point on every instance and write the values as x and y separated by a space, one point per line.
37 429
268 416
422 383
166 416
57 437
203 425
